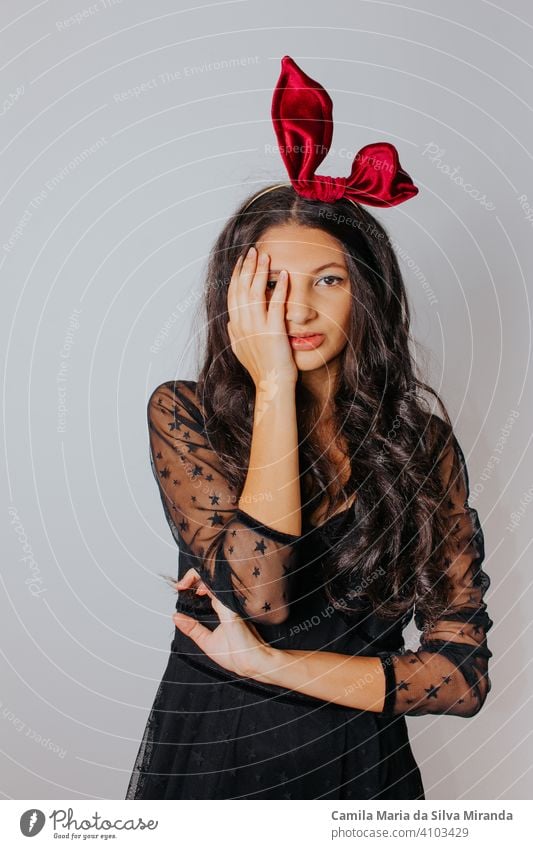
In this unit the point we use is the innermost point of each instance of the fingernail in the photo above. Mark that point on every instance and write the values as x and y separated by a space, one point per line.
251 251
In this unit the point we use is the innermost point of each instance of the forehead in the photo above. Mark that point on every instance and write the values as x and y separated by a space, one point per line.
310 246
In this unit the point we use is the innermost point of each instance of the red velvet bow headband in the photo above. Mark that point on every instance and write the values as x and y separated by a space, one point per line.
302 114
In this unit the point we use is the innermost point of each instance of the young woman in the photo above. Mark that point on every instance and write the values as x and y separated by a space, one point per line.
317 501
318 504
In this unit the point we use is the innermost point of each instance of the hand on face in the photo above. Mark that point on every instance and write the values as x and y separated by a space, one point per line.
256 329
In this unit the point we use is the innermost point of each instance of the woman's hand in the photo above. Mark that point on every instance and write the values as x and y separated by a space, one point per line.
234 644
257 333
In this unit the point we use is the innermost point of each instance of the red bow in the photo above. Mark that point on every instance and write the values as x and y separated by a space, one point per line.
302 116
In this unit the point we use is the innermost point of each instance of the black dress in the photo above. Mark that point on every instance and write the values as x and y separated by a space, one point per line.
215 735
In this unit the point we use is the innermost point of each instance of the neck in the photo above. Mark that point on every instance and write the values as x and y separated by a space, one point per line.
322 383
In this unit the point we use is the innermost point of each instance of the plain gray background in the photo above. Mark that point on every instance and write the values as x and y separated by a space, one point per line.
127 137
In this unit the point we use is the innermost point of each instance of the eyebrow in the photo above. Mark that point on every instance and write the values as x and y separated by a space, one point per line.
321 268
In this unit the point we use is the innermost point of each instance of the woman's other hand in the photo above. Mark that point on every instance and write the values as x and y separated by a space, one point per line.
234 644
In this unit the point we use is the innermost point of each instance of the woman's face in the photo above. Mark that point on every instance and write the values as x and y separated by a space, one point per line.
319 298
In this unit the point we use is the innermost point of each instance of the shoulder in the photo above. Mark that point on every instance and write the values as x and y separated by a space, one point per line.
451 464
439 433
175 389
176 396
444 450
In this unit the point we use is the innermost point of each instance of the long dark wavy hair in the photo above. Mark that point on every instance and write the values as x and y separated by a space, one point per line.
385 424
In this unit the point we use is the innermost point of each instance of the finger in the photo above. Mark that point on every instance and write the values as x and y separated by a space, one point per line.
192 629
238 300
192 571
242 289
190 578
258 288
248 267
233 282
240 315
224 613
185 583
276 307
203 589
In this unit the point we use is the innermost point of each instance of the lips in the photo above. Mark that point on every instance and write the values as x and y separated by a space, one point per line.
305 343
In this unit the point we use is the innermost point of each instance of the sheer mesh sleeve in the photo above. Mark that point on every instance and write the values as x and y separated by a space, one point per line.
246 564
449 672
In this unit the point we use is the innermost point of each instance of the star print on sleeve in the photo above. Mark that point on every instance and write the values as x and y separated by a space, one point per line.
449 672
246 564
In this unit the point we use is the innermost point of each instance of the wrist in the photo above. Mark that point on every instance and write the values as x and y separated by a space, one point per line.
273 383
266 663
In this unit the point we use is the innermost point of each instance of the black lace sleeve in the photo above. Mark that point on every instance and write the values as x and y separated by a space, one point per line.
449 672
245 563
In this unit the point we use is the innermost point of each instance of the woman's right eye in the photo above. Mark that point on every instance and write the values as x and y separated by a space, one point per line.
271 283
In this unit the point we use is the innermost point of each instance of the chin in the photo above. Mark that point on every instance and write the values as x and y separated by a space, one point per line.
311 361
320 359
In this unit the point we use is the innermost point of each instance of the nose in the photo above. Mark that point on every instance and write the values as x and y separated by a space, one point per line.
298 310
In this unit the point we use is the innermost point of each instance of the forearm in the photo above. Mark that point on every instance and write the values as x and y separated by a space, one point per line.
271 491
352 681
